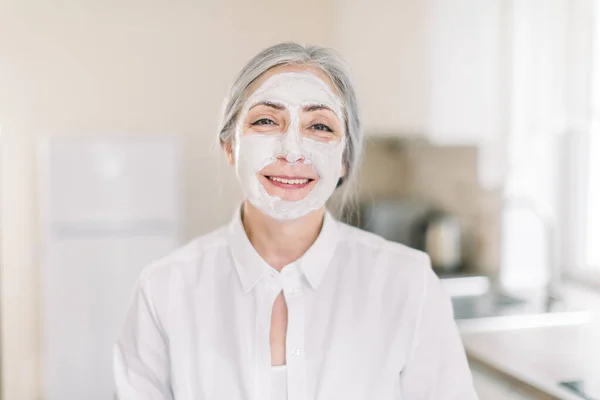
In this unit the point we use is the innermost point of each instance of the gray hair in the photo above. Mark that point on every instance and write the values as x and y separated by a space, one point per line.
329 62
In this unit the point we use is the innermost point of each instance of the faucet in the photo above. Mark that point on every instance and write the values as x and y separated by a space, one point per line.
553 287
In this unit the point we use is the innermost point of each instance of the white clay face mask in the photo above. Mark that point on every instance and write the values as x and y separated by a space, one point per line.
253 152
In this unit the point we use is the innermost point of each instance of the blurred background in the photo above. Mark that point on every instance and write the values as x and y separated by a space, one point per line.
483 145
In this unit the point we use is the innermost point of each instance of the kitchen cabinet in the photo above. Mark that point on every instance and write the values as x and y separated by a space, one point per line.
425 68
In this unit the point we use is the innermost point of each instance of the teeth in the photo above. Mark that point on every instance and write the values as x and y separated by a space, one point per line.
289 181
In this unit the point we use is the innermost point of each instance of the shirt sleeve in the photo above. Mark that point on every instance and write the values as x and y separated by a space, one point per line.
140 356
437 368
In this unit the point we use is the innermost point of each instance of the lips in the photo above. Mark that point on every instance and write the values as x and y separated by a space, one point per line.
288 182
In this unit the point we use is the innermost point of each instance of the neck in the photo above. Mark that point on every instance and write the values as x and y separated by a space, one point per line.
281 242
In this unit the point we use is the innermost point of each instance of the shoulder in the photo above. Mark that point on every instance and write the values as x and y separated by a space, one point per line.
400 276
398 267
367 244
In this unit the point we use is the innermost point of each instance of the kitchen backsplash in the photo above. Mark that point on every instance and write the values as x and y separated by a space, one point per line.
447 178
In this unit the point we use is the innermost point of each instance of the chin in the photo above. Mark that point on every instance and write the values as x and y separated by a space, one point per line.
292 197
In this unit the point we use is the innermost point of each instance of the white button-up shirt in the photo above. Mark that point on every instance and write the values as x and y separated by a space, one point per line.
367 319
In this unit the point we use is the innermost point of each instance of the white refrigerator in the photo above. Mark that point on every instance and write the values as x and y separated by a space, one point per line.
109 206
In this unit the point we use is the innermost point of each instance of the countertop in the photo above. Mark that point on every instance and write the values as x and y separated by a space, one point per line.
540 357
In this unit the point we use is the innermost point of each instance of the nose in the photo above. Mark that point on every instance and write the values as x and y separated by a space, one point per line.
291 145
292 158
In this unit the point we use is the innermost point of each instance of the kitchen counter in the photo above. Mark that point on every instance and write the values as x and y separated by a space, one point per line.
538 358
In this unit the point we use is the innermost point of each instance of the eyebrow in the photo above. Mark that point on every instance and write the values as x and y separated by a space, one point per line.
316 107
276 106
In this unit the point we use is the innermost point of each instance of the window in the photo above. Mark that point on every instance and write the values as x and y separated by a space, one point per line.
582 249
592 252
592 229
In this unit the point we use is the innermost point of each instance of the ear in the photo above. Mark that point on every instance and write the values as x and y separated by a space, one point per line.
344 170
228 147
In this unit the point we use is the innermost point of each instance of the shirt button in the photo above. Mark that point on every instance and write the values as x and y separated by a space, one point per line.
296 351
293 290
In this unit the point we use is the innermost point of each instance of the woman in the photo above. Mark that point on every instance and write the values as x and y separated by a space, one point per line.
285 302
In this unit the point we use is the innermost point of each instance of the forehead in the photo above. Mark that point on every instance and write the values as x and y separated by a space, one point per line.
294 84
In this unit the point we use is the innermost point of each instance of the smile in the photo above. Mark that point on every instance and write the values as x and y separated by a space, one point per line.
294 183
289 181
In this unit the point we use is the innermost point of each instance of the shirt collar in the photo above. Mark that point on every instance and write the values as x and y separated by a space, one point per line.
251 267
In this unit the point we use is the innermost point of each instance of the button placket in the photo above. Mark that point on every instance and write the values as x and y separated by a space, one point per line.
271 287
296 361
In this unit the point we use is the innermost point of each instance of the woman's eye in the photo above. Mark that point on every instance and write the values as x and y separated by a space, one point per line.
263 121
322 127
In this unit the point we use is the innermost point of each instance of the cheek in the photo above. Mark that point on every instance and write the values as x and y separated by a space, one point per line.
327 158
255 152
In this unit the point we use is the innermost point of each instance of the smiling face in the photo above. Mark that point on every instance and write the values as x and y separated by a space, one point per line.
289 142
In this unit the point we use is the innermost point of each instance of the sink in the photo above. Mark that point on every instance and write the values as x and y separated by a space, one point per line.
480 306
550 353
474 297
489 304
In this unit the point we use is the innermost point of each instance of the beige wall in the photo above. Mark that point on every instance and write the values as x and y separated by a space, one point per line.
92 67
441 176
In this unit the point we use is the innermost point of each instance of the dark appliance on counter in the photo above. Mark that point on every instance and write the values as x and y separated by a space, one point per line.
419 225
